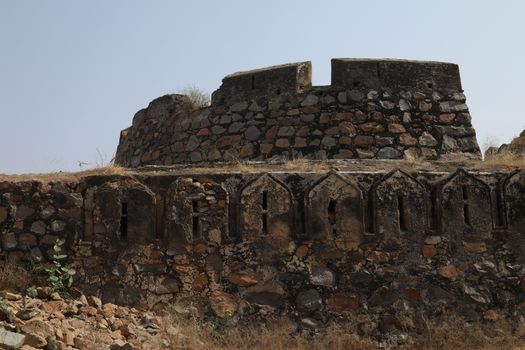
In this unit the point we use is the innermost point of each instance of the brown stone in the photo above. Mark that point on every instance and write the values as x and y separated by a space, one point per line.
227 141
246 151
88 310
407 139
282 143
419 95
223 304
345 116
332 131
94 301
293 112
447 117
413 294
266 148
361 140
347 128
39 327
345 140
300 142
396 128
214 155
108 310
301 251
474 247
271 133
304 131
200 282
450 272
324 118
378 256
177 147
428 153
204 132
53 306
429 251
243 279
343 303
425 106
371 127
492 315
35 340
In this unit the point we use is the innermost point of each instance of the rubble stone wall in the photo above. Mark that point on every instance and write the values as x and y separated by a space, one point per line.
383 109
308 245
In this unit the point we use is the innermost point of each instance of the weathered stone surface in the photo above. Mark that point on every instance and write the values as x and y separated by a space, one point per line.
11 340
343 303
389 153
223 304
309 300
262 106
322 276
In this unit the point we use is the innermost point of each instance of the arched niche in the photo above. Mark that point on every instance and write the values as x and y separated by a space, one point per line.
265 209
335 211
465 207
400 207
125 211
196 211
515 202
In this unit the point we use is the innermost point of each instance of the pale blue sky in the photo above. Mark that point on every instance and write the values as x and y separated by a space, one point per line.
72 74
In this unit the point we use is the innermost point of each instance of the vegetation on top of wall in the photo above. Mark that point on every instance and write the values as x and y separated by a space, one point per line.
198 98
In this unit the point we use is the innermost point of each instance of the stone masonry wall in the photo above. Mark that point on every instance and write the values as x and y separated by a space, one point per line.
385 246
382 109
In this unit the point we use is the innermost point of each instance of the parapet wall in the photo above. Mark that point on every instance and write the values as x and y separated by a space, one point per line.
382 109
314 246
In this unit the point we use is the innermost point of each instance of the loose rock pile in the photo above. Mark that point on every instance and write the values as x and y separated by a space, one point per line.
51 322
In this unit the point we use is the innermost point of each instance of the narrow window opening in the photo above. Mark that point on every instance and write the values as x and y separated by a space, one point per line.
278 91
265 200
265 212
195 226
430 85
123 221
195 223
466 209
253 82
332 215
370 215
434 210
500 207
401 209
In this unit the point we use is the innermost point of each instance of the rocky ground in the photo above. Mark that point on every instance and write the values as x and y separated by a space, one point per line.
50 322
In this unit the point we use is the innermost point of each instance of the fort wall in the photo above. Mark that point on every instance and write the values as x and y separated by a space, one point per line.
312 245
380 109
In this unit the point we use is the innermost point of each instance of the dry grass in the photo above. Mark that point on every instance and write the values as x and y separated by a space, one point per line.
505 160
66 176
502 161
452 333
14 277
190 334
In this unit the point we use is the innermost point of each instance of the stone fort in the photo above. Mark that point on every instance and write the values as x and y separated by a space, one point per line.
367 196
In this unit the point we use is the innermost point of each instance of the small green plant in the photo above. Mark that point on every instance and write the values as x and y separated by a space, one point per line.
31 292
60 275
